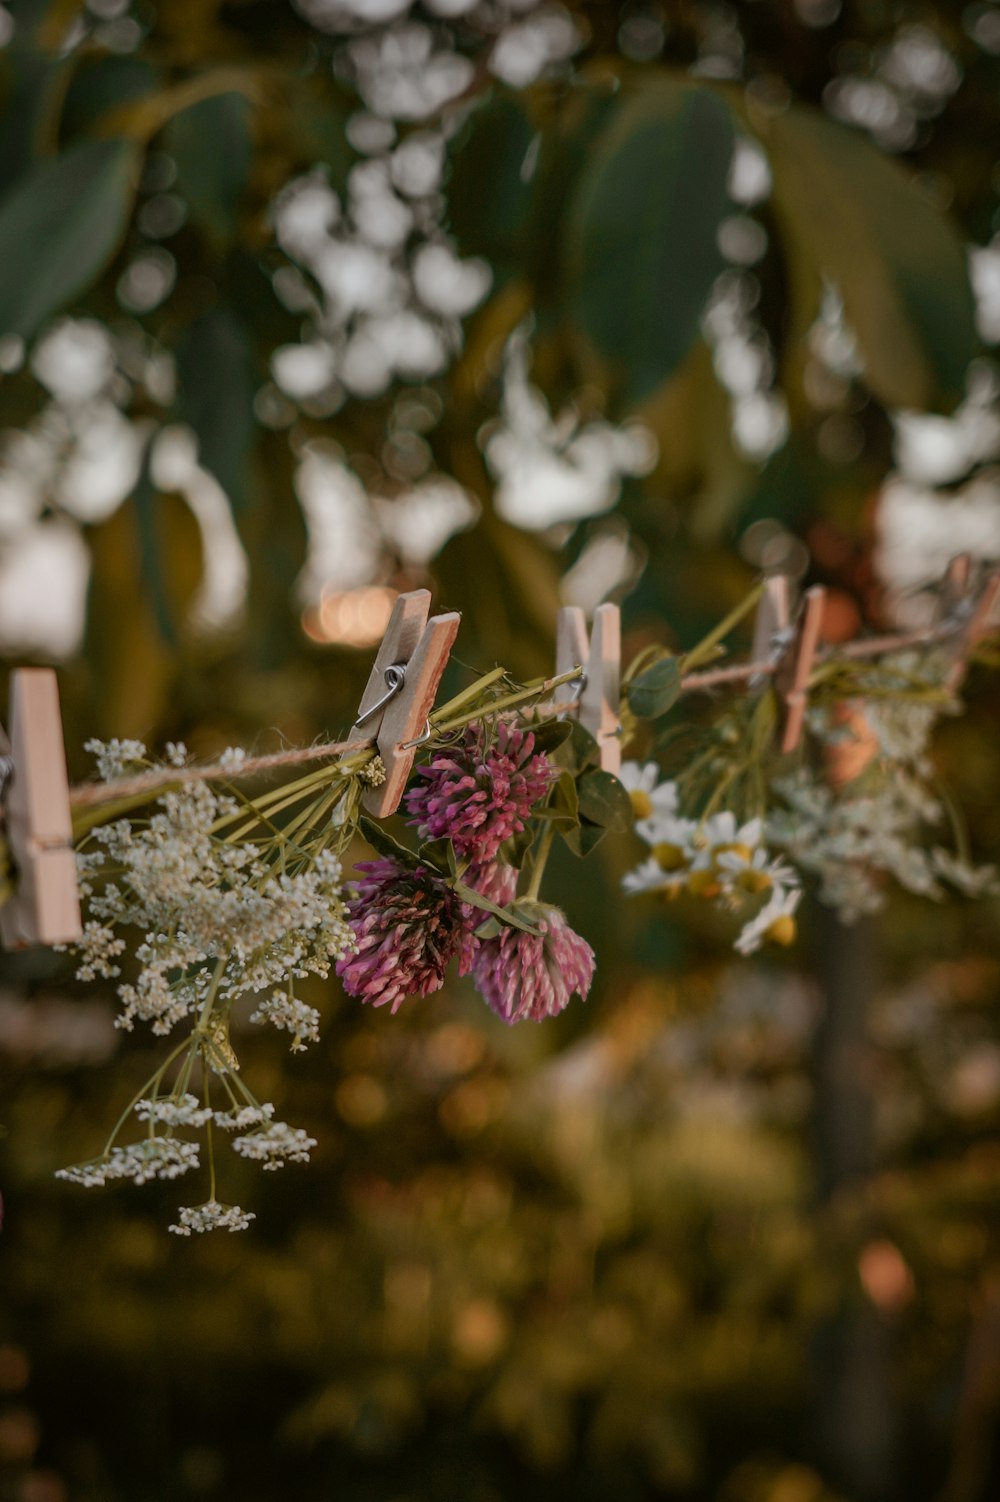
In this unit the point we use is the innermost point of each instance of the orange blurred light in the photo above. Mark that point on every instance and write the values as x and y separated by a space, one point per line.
885 1276
351 617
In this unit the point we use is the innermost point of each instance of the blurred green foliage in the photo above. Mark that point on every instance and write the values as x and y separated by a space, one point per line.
587 1261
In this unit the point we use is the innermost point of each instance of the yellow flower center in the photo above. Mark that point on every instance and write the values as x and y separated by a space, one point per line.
642 803
669 857
755 881
704 884
782 930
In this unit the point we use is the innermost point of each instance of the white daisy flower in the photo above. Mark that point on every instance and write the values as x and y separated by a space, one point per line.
775 923
756 870
649 795
722 829
651 877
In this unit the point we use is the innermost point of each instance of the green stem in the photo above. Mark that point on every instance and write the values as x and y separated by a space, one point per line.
706 647
511 701
209 1002
541 856
209 1139
468 695
151 1085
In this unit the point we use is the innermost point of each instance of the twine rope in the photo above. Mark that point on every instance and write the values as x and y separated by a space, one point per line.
91 794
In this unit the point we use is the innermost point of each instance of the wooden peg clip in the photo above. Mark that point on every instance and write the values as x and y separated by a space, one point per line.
771 622
401 690
980 613
792 678
45 907
600 655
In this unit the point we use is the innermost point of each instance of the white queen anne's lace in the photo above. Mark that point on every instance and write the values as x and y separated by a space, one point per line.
173 1111
211 1216
283 1010
275 1145
152 1158
202 901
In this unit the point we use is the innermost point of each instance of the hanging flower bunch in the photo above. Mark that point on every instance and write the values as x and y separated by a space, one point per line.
209 900
232 900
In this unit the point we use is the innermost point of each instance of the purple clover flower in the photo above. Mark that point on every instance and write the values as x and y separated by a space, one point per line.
481 792
526 976
407 926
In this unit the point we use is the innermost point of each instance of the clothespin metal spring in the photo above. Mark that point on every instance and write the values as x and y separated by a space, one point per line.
395 677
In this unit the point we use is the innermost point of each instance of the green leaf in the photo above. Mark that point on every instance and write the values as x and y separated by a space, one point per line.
490 189
642 230
564 803
440 855
210 142
604 801
551 735
146 501
60 225
583 839
851 214
578 750
216 383
384 843
103 84
31 84
507 915
655 690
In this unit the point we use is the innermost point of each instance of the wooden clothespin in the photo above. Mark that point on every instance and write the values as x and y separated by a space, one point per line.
45 907
401 690
978 612
792 677
600 655
771 623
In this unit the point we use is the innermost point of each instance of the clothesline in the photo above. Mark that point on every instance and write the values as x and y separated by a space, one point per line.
89 795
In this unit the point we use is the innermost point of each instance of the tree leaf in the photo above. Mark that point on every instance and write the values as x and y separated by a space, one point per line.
604 801
216 383
490 189
60 225
31 85
894 256
642 230
105 83
210 142
655 690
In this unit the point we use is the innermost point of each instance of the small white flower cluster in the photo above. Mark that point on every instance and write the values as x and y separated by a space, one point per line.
115 757
715 859
852 841
246 1116
174 1111
232 759
876 826
201 902
211 1216
275 1145
283 1010
152 1158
